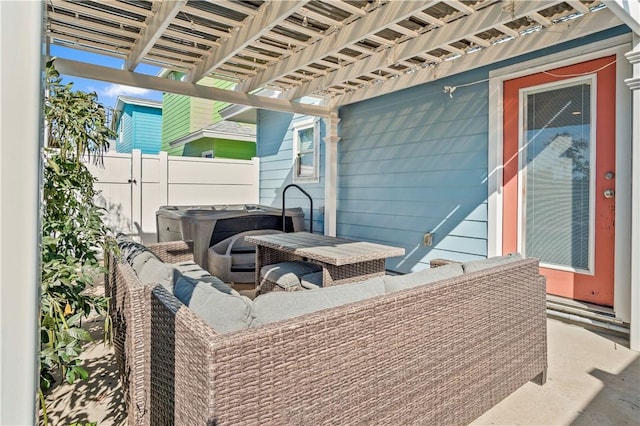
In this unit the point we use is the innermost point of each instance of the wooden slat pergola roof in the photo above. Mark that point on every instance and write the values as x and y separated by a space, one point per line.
340 51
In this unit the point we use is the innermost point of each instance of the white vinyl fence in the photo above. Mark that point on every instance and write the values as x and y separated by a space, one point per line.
133 186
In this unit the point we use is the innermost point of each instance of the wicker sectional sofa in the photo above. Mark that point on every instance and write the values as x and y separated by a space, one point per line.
439 346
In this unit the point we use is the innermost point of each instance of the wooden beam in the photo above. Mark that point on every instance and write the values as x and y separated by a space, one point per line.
271 14
57 20
155 27
561 32
80 37
455 50
430 19
346 6
212 16
578 5
84 45
190 25
458 5
545 22
194 39
128 78
94 13
375 21
628 11
508 31
479 41
441 37
402 30
238 7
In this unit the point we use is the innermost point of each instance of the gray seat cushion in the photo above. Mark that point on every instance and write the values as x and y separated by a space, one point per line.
418 278
280 305
287 274
479 265
224 312
194 271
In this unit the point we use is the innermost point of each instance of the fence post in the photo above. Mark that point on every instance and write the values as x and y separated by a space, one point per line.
164 178
136 192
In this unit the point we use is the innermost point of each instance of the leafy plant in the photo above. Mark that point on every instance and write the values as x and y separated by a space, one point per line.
73 233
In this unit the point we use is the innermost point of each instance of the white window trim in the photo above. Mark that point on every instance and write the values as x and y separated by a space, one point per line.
614 46
204 154
313 123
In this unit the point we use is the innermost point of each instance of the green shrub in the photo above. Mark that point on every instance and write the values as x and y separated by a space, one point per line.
73 232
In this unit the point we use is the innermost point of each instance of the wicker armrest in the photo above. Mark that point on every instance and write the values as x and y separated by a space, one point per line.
434 263
173 251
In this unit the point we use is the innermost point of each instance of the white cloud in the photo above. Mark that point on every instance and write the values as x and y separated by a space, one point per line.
115 90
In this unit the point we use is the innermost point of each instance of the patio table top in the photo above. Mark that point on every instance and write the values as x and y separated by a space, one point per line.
323 248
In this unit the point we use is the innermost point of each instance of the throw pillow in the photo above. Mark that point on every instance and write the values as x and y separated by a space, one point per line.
224 312
479 265
418 278
156 271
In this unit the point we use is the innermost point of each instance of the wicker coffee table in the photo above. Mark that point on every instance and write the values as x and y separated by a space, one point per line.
342 260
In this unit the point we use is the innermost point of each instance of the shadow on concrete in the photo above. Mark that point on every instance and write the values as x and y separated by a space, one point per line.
618 403
99 398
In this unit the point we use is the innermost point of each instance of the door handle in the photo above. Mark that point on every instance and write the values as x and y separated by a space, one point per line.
609 193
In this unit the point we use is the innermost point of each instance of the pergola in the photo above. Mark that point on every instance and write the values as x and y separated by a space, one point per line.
280 54
340 51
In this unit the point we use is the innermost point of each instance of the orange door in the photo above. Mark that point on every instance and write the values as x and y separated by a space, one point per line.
559 176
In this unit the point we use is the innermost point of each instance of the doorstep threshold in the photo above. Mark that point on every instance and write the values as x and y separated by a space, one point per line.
586 313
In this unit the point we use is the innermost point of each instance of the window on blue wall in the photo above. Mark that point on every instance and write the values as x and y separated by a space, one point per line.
306 139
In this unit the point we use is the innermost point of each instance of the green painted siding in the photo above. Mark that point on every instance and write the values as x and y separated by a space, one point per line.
235 149
175 120
223 148
217 105
201 114
196 148
183 115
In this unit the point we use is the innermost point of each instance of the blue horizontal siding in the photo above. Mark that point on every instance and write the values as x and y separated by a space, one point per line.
416 162
406 222
148 129
410 162
141 129
275 149
125 131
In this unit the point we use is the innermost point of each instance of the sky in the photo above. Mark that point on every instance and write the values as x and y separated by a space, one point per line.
107 92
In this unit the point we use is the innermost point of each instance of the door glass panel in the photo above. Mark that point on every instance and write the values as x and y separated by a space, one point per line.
557 175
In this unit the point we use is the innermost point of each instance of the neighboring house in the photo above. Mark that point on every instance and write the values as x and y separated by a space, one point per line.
193 127
138 124
225 139
528 154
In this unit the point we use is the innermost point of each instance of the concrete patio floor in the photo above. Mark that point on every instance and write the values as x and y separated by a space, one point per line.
593 379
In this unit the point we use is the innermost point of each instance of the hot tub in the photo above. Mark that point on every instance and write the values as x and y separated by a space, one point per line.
208 225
